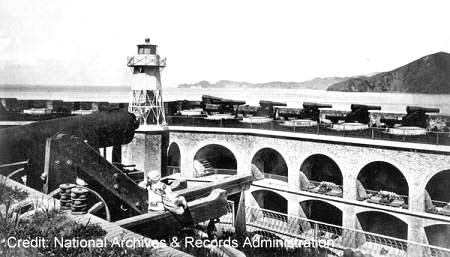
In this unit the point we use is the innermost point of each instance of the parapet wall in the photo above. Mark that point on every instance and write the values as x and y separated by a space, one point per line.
436 122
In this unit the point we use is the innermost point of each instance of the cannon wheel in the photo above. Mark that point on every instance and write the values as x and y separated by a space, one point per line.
97 206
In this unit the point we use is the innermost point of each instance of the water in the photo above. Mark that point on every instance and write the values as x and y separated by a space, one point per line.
390 102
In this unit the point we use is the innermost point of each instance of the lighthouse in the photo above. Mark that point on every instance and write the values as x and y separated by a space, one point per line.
146 99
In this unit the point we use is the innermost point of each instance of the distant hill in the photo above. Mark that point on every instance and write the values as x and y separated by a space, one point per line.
316 83
429 74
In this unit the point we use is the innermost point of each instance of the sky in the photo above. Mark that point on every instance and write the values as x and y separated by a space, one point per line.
61 42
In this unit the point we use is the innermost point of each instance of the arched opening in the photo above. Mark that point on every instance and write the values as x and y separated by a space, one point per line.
214 159
377 176
271 163
322 211
270 201
437 188
438 235
173 159
319 167
383 224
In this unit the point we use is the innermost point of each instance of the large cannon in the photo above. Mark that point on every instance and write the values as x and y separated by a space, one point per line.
415 117
28 142
176 107
311 110
267 108
212 104
248 110
359 113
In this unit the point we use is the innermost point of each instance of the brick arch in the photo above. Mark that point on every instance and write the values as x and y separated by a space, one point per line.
438 234
277 205
399 216
304 165
281 169
233 149
389 187
384 223
329 154
180 145
282 194
258 148
322 211
174 144
364 160
217 162
437 185
310 198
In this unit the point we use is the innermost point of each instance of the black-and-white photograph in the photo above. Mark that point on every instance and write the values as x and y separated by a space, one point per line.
225 128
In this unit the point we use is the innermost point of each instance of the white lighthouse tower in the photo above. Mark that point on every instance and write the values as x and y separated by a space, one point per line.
146 100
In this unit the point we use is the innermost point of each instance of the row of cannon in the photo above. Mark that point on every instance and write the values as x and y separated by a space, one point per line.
210 105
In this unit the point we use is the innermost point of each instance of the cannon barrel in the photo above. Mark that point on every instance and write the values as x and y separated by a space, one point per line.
212 107
100 129
290 112
411 109
309 105
232 102
355 107
271 103
211 99
248 109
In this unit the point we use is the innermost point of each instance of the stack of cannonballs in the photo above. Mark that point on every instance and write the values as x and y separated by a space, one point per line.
65 196
79 200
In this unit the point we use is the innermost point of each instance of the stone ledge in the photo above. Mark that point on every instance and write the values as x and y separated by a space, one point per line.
324 138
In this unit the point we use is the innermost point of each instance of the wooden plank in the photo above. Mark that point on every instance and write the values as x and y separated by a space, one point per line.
232 185
71 156
159 223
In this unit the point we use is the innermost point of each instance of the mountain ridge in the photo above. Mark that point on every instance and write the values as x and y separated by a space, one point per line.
429 74
316 83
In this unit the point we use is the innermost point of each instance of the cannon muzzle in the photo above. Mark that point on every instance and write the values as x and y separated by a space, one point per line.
412 109
355 107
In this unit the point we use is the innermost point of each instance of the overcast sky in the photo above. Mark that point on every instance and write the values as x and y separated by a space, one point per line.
86 42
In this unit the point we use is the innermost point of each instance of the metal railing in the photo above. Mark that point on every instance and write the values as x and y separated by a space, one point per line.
379 133
144 60
293 230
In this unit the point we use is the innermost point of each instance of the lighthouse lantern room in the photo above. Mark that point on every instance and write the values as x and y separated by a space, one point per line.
146 99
